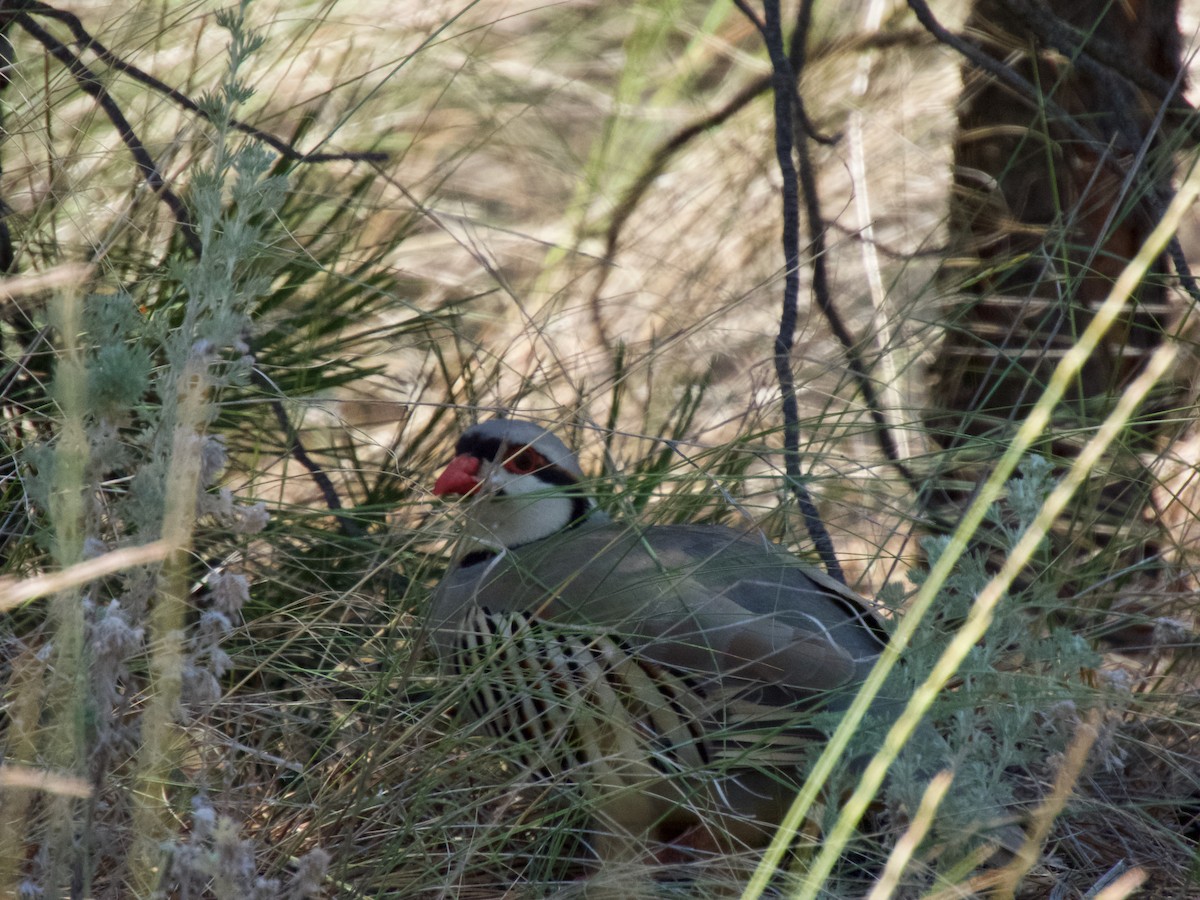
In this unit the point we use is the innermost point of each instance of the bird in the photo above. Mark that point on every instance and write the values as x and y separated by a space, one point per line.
674 671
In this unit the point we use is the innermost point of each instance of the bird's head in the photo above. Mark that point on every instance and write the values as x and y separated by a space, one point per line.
522 483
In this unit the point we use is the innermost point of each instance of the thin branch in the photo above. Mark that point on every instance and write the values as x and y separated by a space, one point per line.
820 277
667 150
1098 57
22 14
661 157
784 84
89 82
297 450
659 160
85 40
975 54
798 57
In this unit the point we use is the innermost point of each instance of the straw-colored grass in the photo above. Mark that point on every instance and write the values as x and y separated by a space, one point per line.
236 703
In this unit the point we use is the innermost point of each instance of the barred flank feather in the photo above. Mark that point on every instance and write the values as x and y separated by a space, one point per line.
567 699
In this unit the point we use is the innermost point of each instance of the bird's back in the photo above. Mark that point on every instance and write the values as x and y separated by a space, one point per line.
699 597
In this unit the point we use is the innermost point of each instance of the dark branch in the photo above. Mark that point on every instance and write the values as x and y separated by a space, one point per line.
666 151
90 84
21 13
297 450
662 156
784 84
1097 56
86 41
820 277
798 57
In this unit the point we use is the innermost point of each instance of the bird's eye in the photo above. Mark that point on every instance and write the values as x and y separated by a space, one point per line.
526 461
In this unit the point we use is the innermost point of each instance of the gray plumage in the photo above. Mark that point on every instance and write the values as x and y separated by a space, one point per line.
673 668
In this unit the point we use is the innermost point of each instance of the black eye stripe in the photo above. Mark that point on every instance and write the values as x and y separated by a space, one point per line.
493 448
481 447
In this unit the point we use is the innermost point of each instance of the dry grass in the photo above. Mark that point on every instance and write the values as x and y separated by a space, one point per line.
515 132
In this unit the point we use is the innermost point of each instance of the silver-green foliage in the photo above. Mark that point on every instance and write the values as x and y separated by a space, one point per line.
1019 697
137 658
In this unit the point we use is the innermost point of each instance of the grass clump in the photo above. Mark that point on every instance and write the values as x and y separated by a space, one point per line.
250 713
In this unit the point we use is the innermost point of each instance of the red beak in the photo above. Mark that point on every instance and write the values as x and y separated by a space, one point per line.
459 477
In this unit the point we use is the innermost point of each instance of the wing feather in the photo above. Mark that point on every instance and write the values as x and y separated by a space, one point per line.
727 608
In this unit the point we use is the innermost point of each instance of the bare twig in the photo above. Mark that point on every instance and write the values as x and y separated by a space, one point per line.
798 57
662 156
89 82
1098 57
1108 66
820 278
298 452
22 12
784 84
85 40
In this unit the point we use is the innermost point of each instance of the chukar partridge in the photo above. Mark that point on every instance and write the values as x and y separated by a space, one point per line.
672 669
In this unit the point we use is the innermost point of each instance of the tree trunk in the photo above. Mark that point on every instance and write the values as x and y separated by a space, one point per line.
1042 220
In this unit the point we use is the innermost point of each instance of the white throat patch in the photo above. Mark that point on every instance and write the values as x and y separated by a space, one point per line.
512 510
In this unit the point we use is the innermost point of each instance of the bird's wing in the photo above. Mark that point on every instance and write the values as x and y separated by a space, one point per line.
700 599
